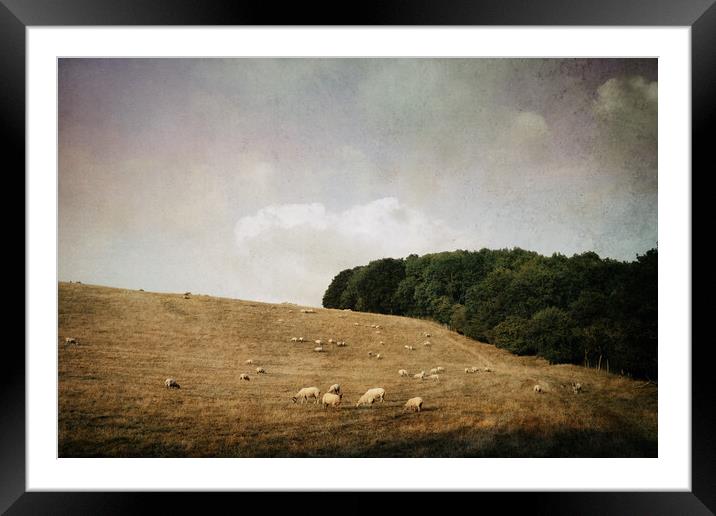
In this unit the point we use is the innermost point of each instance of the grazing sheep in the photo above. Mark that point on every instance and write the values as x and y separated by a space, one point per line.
249 362
434 370
409 348
244 376
487 370
427 343
171 383
371 396
332 399
414 404
427 335
370 353
331 341
576 387
356 324
419 375
335 388
318 349
434 377
341 344
381 342
308 311
440 369
468 370
294 339
537 388
474 369
378 326
301 339
260 370
403 372
378 356
70 340
305 393
318 342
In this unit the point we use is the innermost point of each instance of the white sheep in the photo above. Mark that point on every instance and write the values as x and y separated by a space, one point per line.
403 372
409 348
318 342
260 370
427 343
294 339
331 341
378 356
468 370
427 335
244 376
171 383
487 370
70 340
335 388
434 377
434 370
440 369
371 396
249 362
318 349
305 393
419 375
332 399
537 388
576 387
301 339
474 369
414 404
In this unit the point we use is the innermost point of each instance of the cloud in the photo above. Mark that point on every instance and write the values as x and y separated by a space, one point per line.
627 100
626 110
292 251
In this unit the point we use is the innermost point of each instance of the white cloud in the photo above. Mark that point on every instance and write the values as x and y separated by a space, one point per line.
290 252
623 98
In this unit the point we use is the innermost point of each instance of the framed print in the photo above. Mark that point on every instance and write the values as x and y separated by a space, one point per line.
417 247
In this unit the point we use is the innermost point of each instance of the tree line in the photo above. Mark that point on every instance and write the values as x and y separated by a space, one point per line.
581 309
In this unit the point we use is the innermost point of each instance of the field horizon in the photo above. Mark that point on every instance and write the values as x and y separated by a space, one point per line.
112 401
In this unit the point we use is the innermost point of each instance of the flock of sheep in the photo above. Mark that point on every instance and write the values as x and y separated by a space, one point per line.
334 396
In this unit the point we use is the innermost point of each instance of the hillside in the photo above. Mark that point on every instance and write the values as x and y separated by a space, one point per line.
112 400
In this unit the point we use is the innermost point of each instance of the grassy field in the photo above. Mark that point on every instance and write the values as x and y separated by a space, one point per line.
113 403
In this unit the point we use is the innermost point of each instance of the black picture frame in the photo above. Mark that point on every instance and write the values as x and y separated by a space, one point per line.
700 15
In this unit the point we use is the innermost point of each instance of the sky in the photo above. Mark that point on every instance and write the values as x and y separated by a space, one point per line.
262 179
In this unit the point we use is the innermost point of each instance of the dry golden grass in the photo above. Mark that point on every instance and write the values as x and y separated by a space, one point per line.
113 403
